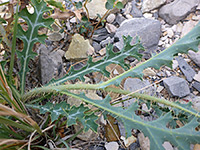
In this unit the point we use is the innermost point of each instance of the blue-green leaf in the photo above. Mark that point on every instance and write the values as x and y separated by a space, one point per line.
30 37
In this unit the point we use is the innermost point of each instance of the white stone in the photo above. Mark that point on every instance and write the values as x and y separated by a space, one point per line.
73 20
167 45
174 27
111 18
112 146
148 72
102 51
196 103
159 88
160 43
144 142
128 16
175 64
168 73
111 28
96 7
170 33
188 26
197 77
128 8
129 140
148 15
148 5
164 38
196 18
179 27
167 146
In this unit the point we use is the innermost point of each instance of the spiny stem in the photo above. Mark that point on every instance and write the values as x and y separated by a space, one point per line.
61 88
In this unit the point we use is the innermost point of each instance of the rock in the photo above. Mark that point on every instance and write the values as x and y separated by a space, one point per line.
122 129
55 36
188 26
186 69
177 10
129 140
96 46
96 148
148 5
196 147
148 15
144 142
85 136
148 72
196 103
50 64
102 51
179 27
135 12
78 48
196 85
96 7
148 30
176 86
195 57
197 77
111 18
133 84
127 9
196 18
111 28
112 146
100 35
119 19
106 42
170 33
167 146
134 146
159 88
175 64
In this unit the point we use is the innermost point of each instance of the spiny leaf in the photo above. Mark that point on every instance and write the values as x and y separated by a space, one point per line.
110 58
73 114
78 114
54 109
29 37
156 130
188 42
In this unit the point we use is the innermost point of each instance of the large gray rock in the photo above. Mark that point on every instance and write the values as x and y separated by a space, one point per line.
176 86
148 30
137 85
135 12
177 10
149 5
196 85
50 64
186 69
195 57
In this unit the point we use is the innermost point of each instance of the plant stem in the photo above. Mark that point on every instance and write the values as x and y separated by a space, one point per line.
13 45
61 88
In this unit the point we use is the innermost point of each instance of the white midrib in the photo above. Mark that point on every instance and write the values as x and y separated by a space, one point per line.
26 54
92 68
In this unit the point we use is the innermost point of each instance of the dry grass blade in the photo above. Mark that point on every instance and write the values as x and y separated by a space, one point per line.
11 142
6 111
